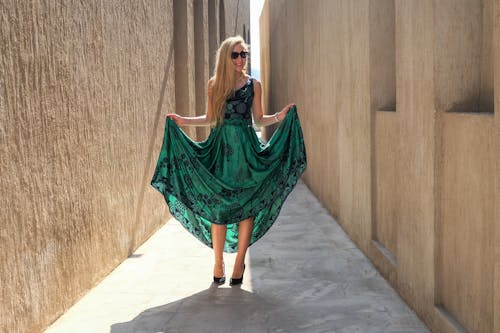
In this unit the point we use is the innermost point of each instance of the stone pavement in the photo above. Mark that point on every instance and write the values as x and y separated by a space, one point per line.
305 275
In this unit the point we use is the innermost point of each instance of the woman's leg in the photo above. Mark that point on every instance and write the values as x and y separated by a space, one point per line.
244 233
218 240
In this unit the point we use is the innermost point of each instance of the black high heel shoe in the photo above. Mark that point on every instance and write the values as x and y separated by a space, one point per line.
234 282
220 280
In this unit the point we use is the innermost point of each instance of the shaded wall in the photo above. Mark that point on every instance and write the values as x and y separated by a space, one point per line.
398 107
236 18
84 89
211 21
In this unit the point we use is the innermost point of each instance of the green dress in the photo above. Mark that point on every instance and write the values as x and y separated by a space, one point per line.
232 175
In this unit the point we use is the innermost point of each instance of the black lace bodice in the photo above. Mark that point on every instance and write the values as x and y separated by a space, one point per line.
238 107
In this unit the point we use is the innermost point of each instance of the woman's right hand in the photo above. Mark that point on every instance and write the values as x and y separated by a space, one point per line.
176 118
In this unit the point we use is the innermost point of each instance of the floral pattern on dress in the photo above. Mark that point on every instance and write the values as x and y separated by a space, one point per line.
232 175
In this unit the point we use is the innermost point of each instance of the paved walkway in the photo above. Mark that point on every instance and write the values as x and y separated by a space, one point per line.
305 275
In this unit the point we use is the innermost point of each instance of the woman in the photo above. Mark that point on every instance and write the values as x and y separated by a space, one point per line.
228 190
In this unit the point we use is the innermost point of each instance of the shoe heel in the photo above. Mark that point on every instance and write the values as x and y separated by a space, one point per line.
219 280
234 282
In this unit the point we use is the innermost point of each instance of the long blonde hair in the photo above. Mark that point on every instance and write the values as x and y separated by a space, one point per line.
223 80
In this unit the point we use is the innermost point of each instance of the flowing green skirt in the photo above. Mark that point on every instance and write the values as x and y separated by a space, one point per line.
229 177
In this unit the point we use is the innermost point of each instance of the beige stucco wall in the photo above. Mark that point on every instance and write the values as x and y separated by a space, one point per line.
396 100
84 89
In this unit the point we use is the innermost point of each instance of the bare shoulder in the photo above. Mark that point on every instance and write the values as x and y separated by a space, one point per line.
210 85
257 84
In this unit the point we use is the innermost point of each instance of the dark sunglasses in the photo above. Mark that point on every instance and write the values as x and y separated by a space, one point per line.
242 54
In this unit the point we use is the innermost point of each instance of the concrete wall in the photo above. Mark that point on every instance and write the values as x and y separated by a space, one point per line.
84 89
401 126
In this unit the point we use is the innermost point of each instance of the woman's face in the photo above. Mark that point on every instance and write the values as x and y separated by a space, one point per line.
239 62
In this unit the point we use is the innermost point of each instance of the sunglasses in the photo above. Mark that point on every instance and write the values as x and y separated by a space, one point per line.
242 54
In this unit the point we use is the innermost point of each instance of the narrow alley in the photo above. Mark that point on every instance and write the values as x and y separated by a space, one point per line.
305 275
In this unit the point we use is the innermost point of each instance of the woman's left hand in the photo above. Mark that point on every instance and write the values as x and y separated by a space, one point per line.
284 111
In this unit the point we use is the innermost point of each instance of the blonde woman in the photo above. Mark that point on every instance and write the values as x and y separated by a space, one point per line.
228 190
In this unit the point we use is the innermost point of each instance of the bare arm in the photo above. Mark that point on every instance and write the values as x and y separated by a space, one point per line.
189 121
195 121
258 114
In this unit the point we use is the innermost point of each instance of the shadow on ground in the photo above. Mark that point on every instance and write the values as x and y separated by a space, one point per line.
305 275
214 310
